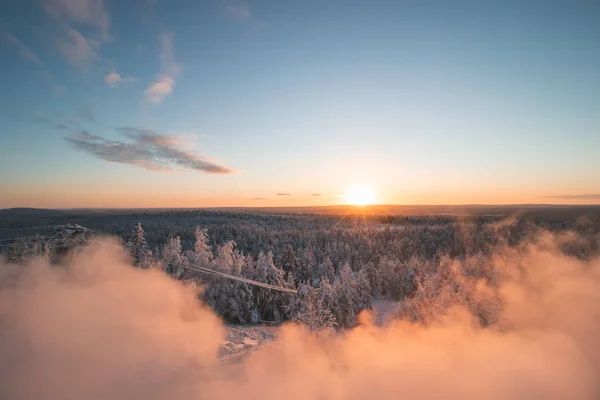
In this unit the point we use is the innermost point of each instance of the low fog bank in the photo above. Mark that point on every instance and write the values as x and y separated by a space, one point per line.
101 329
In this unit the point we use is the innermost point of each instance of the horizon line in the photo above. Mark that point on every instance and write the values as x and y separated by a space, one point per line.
311 206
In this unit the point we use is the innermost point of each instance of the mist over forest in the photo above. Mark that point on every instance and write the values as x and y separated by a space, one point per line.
497 303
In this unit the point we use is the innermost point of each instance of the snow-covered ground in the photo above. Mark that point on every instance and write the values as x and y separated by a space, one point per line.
241 340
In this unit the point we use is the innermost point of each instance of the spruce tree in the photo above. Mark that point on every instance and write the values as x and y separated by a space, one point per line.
138 247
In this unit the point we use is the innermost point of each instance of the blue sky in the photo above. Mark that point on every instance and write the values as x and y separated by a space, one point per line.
231 102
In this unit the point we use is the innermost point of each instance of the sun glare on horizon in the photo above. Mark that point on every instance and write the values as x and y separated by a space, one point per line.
360 196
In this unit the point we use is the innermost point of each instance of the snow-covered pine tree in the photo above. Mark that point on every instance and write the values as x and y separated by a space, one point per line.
304 270
328 295
248 312
224 260
373 278
388 271
311 310
290 297
301 294
306 256
138 247
345 290
364 300
270 303
241 303
289 262
325 269
202 249
172 257
233 300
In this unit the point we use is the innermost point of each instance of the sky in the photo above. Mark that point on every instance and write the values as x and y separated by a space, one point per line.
204 103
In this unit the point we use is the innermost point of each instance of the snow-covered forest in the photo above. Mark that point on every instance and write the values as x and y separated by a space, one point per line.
337 264
478 306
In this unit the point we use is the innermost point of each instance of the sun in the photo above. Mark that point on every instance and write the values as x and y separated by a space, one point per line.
360 196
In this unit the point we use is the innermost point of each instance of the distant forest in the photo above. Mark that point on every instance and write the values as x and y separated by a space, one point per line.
338 261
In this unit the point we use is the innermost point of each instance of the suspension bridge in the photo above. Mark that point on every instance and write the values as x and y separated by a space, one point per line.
68 237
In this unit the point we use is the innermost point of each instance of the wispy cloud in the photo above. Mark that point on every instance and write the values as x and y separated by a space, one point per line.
146 149
237 10
51 123
259 198
283 194
90 13
592 196
113 79
159 89
316 194
79 51
70 15
24 52
164 82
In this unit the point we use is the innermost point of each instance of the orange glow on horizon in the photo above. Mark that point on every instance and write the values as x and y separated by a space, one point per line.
138 196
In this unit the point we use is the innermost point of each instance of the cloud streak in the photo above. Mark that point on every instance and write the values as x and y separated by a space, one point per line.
592 196
65 125
146 149
165 81
283 194
24 52
79 51
90 13
69 16
114 79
